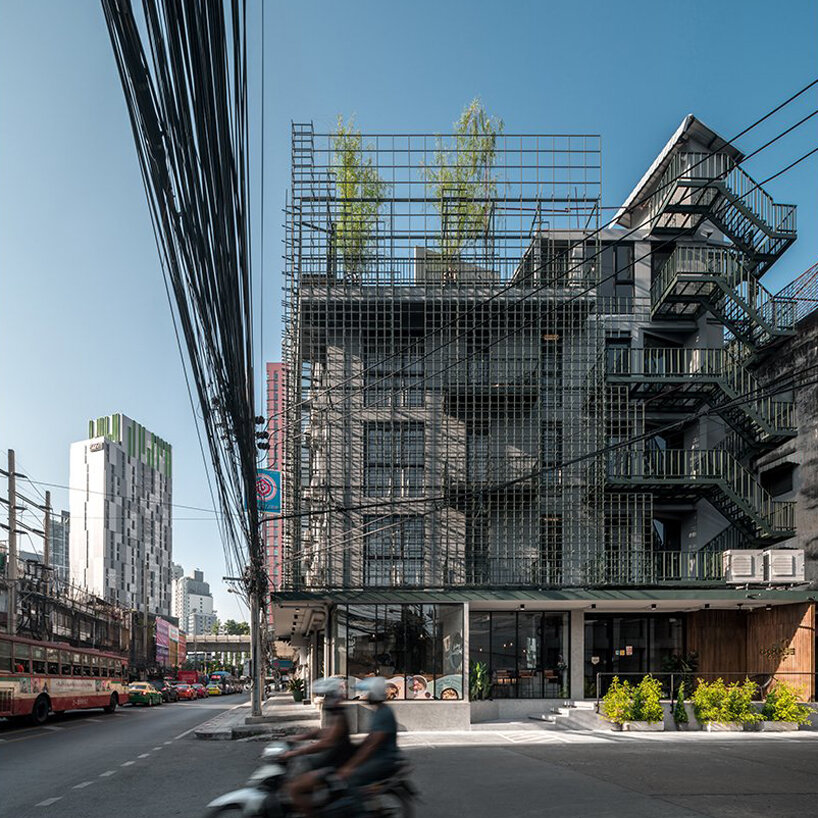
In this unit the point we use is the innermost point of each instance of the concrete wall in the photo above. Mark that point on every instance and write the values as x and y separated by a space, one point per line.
795 356
414 716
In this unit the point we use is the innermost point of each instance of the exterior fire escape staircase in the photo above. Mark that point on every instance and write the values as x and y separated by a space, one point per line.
714 474
685 379
718 280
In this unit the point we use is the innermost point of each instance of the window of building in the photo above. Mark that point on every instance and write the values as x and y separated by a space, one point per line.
617 280
393 551
524 652
394 460
417 648
393 373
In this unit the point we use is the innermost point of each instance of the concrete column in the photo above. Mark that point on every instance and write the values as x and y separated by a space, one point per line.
576 664
466 663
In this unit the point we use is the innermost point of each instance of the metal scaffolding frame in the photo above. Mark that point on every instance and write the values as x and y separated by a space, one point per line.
454 383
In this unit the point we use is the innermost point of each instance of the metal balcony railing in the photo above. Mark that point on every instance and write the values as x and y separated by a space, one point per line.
741 494
634 568
492 470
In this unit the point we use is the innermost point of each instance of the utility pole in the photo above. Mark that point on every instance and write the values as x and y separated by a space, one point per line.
47 531
257 650
145 607
12 569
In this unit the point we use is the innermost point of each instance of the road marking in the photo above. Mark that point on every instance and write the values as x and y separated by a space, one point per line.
81 786
168 742
127 763
107 773
143 755
51 727
93 719
157 748
49 801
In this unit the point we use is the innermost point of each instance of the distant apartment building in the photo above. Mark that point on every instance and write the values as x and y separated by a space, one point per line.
120 539
276 402
59 534
519 436
193 603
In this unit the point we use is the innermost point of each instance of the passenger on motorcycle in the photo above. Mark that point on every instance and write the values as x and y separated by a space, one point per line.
377 757
330 751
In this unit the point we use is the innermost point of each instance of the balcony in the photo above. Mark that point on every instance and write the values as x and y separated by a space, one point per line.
513 475
695 279
714 474
639 567
684 379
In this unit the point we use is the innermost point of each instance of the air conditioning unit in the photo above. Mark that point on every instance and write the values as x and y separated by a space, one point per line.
743 566
784 565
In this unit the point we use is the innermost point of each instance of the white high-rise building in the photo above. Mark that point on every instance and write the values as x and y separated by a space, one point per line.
121 519
193 603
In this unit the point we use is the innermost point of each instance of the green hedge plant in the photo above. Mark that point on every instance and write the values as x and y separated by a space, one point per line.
782 704
679 710
647 704
720 702
617 703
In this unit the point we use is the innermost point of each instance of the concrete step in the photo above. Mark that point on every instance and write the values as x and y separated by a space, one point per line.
307 716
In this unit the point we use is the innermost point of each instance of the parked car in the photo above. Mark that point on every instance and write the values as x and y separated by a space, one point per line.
186 692
168 693
214 690
201 690
143 693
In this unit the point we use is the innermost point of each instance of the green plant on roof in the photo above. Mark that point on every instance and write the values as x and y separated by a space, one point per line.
463 181
359 193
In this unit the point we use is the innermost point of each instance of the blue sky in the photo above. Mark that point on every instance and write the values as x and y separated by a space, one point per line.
84 324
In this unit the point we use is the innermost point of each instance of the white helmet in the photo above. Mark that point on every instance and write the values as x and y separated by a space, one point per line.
331 688
373 687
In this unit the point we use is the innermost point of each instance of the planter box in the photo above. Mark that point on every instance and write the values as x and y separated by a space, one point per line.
643 726
778 726
727 727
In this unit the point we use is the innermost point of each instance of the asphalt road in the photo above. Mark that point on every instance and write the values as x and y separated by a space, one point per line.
145 763
137 762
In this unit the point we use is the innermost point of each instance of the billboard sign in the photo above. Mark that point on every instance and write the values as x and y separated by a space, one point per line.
268 491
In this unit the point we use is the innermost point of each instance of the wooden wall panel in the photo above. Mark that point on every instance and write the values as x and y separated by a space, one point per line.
778 641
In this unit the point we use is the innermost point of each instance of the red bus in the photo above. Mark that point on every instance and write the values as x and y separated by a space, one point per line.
40 678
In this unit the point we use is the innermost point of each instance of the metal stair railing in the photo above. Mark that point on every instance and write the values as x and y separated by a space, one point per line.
713 467
734 295
696 185
767 418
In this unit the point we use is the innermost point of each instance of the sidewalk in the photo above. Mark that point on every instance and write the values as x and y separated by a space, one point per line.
281 716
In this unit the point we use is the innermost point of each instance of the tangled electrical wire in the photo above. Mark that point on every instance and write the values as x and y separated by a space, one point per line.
183 68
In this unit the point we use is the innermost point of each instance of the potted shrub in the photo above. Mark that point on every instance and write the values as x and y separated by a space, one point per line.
479 681
617 703
680 716
647 712
297 689
723 707
782 710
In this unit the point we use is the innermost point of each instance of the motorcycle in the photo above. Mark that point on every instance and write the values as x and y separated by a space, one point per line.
264 796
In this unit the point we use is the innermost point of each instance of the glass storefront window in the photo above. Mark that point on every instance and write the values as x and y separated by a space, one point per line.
628 644
418 649
524 652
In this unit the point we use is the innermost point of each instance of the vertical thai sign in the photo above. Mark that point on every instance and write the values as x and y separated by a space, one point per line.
268 491
162 641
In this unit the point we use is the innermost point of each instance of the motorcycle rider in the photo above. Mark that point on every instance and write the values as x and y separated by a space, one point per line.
377 757
331 749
